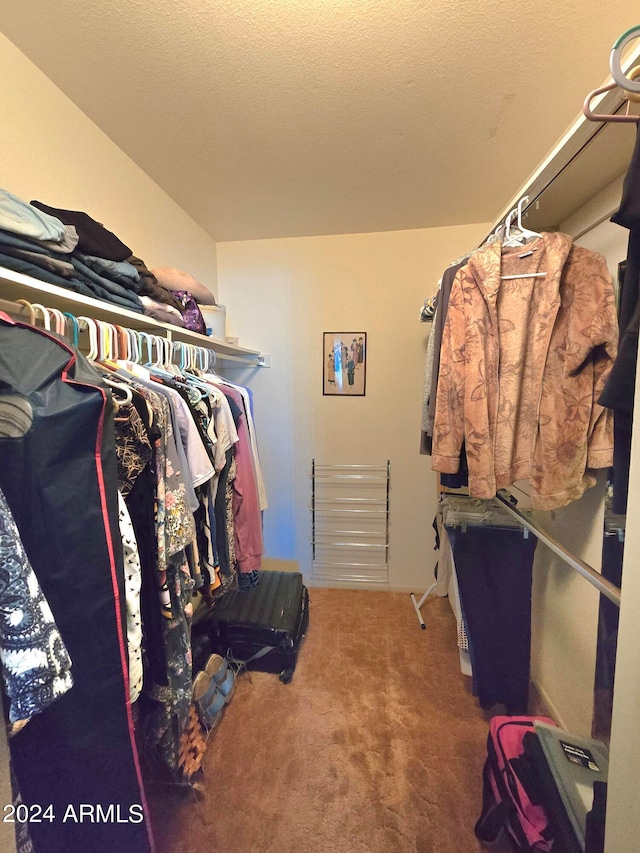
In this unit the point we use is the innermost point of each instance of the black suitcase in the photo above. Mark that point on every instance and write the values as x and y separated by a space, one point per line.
263 626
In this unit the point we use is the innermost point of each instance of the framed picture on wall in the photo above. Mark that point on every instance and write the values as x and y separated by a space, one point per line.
344 371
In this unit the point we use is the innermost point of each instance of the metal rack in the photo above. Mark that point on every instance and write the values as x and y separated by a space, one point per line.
349 520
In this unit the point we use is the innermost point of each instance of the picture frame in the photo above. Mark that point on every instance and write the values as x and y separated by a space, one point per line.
344 364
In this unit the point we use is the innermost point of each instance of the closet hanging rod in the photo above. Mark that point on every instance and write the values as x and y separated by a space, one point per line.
251 360
14 309
604 586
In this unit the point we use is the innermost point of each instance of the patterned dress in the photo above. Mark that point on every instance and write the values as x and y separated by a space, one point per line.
35 663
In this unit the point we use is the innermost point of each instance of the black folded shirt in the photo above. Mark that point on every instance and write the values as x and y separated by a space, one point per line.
94 237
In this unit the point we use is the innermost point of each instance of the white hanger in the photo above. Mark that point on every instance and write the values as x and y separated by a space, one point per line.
517 241
60 320
511 238
120 386
524 275
116 401
46 319
168 365
93 336
525 232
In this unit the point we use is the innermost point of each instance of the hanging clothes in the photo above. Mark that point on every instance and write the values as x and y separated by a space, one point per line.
171 698
247 397
494 571
619 391
36 666
59 479
169 692
136 435
132 586
247 519
522 365
203 460
432 362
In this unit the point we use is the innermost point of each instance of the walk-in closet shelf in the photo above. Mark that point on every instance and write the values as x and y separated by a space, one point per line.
14 285
586 159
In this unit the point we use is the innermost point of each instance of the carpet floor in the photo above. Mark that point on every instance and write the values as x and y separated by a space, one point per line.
376 746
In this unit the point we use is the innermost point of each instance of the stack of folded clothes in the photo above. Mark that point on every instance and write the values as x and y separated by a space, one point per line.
72 250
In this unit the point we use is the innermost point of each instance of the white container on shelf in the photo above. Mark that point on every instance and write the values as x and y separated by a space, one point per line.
215 319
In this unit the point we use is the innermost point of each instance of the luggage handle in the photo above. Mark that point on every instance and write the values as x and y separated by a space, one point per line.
260 654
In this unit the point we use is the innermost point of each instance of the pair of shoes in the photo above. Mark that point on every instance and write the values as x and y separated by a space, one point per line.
208 700
217 668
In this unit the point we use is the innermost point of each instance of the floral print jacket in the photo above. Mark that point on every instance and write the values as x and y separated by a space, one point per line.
523 362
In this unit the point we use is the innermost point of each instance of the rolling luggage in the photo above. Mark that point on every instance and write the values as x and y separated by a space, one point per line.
263 626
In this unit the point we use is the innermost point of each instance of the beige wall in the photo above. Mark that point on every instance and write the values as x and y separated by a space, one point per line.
52 152
288 292
565 612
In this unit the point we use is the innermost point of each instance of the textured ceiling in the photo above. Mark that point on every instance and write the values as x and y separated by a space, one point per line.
267 118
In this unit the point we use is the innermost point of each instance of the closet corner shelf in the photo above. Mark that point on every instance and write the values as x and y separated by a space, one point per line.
568 181
15 285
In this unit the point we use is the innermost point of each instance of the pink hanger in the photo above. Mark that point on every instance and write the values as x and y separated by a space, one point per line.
586 109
